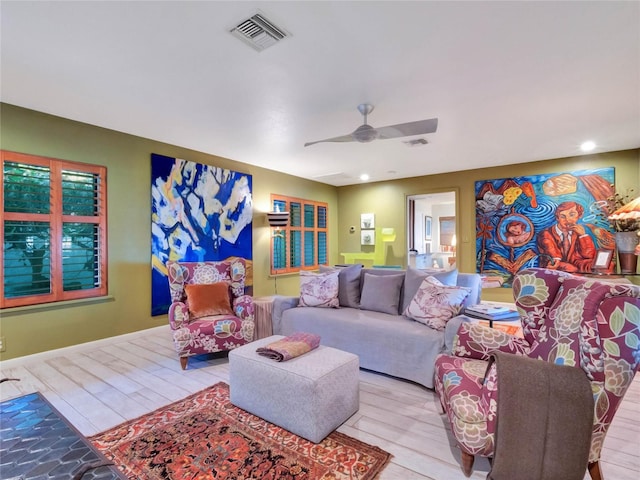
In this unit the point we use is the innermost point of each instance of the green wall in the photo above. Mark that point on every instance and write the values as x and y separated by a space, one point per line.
388 201
127 158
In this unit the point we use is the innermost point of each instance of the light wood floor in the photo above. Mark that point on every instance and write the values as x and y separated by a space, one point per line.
101 384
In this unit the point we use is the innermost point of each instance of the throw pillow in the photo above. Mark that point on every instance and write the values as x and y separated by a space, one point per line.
381 293
319 289
434 303
348 284
414 278
208 299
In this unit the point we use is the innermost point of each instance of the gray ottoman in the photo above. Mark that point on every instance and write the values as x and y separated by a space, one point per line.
310 395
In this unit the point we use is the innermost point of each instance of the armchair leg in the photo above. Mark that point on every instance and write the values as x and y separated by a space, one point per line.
467 463
594 471
183 362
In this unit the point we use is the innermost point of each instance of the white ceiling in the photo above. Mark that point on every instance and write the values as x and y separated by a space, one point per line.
510 82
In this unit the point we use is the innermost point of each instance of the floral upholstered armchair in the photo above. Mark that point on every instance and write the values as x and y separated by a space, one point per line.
567 320
209 311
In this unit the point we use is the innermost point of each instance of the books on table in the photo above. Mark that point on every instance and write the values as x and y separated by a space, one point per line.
488 308
512 328
490 311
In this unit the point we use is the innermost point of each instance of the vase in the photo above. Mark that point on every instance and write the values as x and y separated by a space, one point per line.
626 243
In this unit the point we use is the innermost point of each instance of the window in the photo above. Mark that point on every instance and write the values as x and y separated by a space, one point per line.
303 244
53 231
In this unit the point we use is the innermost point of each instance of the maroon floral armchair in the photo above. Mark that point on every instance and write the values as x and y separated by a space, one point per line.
566 320
202 320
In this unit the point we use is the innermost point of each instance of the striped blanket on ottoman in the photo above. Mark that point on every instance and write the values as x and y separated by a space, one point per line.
290 347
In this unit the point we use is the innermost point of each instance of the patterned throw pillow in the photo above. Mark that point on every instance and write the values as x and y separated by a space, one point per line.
319 289
414 278
434 303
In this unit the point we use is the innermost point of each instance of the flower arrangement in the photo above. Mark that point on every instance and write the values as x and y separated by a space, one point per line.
622 211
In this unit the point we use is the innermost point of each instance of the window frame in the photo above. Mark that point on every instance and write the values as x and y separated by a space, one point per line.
286 231
56 220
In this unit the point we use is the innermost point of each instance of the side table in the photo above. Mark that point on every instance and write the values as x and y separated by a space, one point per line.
262 309
512 326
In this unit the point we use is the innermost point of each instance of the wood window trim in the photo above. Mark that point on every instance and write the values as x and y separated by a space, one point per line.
56 219
302 229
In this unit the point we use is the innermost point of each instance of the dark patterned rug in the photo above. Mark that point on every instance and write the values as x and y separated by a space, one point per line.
205 437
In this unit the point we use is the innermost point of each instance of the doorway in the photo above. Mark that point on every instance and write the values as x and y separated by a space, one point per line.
431 230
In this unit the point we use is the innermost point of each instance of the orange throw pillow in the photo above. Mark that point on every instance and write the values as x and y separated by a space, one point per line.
208 299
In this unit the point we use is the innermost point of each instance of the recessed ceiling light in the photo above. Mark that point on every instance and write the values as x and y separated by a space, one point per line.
364 177
587 146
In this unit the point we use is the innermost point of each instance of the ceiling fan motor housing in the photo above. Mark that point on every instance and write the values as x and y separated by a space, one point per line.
365 133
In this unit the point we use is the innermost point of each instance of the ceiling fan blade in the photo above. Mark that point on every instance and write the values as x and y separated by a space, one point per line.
343 138
407 129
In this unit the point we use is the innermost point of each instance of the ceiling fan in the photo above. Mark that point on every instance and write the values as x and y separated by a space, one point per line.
366 133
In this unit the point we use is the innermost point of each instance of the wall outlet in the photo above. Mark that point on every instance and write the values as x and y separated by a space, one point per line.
3 344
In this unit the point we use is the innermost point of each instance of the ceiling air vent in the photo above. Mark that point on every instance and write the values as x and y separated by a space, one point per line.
259 32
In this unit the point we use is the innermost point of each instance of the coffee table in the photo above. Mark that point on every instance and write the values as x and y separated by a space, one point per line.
310 395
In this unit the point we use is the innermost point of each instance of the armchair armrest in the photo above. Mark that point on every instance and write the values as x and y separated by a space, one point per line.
243 307
451 330
280 304
474 340
178 314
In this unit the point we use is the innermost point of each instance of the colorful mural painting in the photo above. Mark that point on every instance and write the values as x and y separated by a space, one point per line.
198 212
549 220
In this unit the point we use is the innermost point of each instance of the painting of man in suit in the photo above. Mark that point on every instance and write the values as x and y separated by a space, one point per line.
566 245
550 220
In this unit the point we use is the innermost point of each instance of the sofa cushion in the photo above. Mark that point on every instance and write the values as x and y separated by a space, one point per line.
348 284
434 303
381 293
319 289
208 299
413 279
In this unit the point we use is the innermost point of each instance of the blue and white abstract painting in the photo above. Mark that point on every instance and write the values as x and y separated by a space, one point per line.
198 213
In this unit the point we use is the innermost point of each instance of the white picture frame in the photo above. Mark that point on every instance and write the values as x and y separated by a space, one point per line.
603 259
367 221
368 237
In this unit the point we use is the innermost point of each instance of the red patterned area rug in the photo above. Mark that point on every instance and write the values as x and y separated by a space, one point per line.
205 437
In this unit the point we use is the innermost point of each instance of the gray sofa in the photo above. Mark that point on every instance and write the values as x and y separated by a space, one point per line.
389 343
